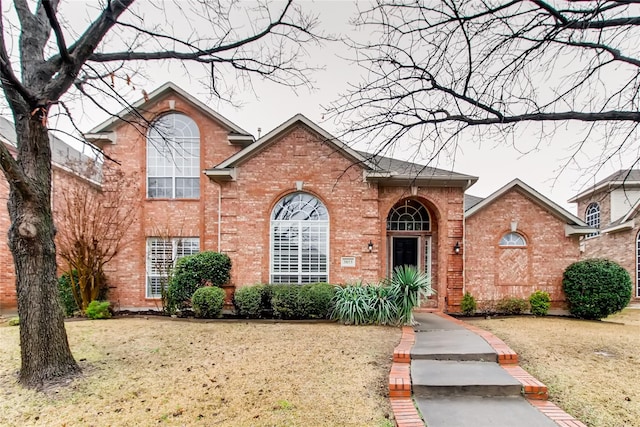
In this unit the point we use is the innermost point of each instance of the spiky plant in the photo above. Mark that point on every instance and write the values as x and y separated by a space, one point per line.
408 285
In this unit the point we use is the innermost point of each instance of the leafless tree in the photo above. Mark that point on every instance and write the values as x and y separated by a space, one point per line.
439 68
43 58
93 225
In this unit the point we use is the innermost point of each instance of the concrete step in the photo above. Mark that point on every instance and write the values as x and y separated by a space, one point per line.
473 411
458 344
443 378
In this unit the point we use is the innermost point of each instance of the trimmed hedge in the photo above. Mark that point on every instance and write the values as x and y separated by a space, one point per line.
540 302
208 301
98 310
596 288
193 272
284 301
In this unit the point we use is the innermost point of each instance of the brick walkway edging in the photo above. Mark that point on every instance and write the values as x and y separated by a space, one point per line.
534 391
404 411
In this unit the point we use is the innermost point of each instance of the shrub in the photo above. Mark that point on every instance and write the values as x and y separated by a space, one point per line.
314 300
409 284
68 301
284 300
14 321
248 301
511 305
382 306
195 271
540 302
468 304
351 305
208 301
596 288
98 310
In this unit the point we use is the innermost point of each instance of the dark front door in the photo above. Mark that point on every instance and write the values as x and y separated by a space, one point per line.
405 251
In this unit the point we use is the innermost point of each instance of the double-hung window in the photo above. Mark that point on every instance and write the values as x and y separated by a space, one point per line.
299 240
173 158
162 255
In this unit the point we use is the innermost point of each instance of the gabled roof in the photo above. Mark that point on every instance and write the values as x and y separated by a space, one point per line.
620 179
376 167
470 201
111 123
253 149
576 225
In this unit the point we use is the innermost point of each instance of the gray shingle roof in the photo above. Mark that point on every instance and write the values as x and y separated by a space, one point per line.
470 201
405 168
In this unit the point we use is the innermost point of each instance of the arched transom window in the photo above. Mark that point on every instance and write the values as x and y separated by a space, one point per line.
409 215
513 239
299 240
592 217
173 158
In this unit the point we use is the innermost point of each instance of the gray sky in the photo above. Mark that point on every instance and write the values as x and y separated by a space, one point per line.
533 154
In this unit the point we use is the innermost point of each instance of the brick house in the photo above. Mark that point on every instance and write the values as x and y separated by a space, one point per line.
299 206
612 206
68 166
518 241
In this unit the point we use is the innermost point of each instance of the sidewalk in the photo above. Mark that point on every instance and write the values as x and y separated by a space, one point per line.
459 375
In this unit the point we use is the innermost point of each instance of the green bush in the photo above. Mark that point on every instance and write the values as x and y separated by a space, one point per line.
284 301
511 305
248 301
540 302
382 305
14 321
69 304
98 310
596 288
208 301
352 305
314 300
193 272
468 304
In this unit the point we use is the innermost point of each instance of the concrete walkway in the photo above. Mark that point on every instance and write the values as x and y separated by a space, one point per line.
463 376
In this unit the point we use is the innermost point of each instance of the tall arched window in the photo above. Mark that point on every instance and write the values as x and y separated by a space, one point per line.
592 217
299 240
173 158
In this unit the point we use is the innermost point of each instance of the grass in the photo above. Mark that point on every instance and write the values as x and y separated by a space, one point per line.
160 372
590 367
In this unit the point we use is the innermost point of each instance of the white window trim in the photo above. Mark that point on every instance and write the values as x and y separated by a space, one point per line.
592 213
510 245
174 258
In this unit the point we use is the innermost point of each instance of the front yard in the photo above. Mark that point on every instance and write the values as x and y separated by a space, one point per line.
152 371
592 368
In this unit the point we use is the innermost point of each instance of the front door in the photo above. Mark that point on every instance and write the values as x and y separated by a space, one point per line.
405 251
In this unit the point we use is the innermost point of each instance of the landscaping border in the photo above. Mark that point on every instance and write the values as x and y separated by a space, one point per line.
404 411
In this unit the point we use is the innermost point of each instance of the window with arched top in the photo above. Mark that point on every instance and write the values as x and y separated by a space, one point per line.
592 217
299 240
173 158
513 239
409 215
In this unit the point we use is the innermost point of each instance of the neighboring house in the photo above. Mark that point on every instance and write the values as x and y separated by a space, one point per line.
69 165
612 206
518 241
299 206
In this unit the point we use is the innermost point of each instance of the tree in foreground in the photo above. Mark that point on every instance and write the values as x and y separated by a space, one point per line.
596 288
438 69
44 60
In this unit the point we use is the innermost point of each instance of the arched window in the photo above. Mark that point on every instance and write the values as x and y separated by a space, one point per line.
592 217
299 240
173 158
513 239
409 216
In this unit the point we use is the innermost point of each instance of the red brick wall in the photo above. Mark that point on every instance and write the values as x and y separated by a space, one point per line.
492 272
156 217
619 246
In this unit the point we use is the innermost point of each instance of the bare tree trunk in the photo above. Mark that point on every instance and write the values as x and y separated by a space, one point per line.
43 341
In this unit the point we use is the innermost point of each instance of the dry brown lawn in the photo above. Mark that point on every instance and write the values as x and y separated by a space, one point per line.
147 372
592 368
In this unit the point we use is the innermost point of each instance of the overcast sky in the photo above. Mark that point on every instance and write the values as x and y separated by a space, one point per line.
534 154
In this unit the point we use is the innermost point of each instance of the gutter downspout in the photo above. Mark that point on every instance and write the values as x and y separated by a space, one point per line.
219 216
